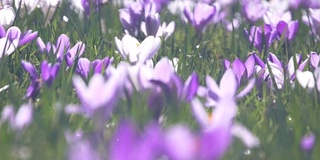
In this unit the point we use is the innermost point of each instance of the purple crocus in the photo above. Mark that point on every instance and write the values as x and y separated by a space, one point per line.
200 16
59 49
76 50
20 120
48 74
241 69
145 146
130 17
261 37
288 30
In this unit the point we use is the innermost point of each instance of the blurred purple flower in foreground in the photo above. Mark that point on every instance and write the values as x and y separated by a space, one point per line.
20 120
200 16
308 141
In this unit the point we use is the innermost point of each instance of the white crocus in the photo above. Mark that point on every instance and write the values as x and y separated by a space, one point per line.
7 15
27 6
129 47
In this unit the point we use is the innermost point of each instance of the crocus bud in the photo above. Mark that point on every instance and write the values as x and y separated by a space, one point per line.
153 24
7 15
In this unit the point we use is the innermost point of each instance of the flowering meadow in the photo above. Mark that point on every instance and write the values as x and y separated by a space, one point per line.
159 79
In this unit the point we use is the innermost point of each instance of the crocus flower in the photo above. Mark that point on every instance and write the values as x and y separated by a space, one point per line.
7 15
27 37
130 47
276 68
48 8
308 141
177 7
226 91
20 120
291 65
59 49
254 10
49 72
200 16
313 21
306 79
288 30
260 37
148 145
10 41
76 50
130 17
273 18
152 27
99 94
240 69
26 6
314 59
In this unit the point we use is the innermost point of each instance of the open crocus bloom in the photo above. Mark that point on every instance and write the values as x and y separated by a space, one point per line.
10 42
129 47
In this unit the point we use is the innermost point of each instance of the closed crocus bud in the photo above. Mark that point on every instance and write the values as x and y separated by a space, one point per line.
7 16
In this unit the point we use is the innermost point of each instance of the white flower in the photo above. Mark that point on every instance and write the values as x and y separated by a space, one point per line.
7 15
27 5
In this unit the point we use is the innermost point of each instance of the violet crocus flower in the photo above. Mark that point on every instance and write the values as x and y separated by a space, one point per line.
288 30
48 74
130 17
10 41
129 47
200 16
291 68
241 69
148 145
20 120
76 51
216 135
261 37
308 141
59 49
27 37
273 18
226 91
84 66
152 27
276 68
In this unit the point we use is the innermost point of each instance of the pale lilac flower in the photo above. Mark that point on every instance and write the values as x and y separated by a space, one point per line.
308 141
241 69
100 94
10 42
27 6
226 91
200 16
313 21
177 7
314 59
48 8
20 120
7 16
129 47
254 10
273 18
